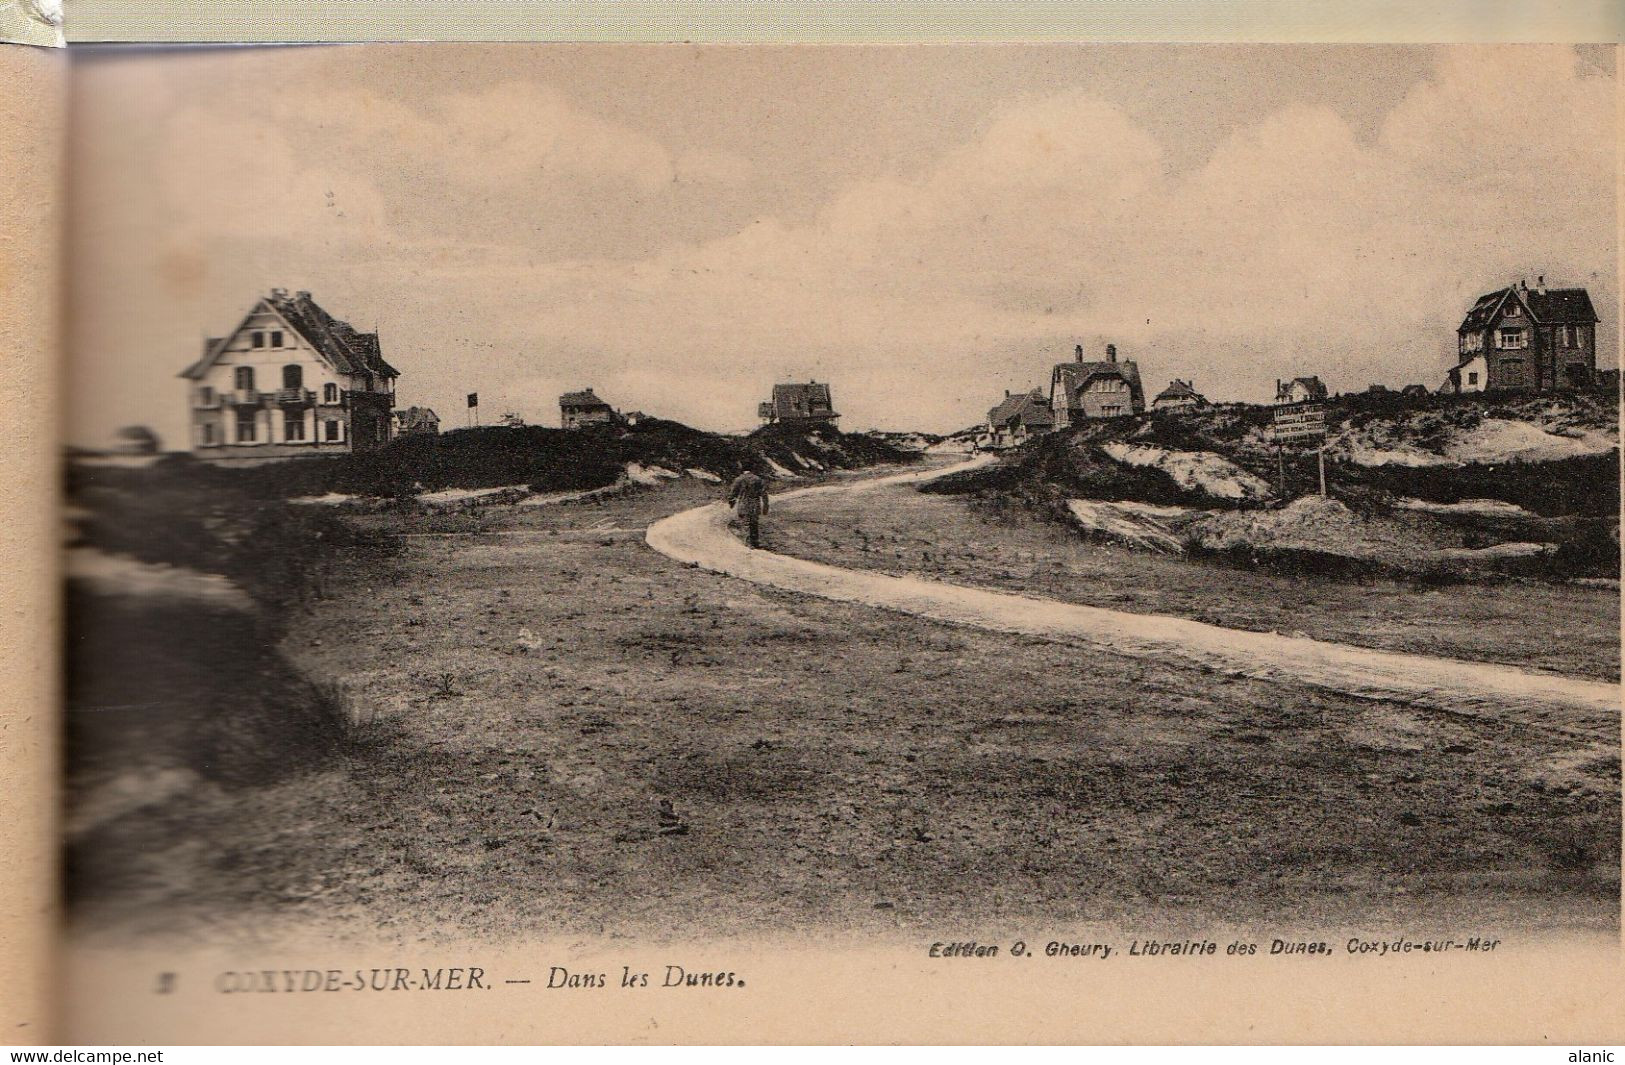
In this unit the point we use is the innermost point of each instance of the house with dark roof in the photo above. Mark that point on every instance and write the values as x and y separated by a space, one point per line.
1018 417
1082 390
1532 339
1178 396
580 409
798 403
1300 390
289 380
417 421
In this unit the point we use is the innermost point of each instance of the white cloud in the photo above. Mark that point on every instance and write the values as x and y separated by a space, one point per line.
1299 246
1295 248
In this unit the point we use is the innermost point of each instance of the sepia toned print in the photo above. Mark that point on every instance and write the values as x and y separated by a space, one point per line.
1129 502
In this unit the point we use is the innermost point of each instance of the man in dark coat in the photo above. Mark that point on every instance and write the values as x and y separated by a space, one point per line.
748 496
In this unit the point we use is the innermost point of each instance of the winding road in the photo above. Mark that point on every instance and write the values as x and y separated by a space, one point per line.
1573 706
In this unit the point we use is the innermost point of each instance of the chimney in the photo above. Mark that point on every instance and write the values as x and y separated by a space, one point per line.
1540 285
1007 393
279 293
1111 352
302 295
1523 284
1077 353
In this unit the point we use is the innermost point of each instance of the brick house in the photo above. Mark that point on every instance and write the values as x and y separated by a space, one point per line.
289 380
580 409
799 403
1017 417
1082 390
1534 339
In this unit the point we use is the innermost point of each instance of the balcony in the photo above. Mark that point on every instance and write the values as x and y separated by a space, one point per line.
243 397
209 400
294 397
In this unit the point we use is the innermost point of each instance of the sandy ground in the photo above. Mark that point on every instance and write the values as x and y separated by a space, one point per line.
1570 629
534 682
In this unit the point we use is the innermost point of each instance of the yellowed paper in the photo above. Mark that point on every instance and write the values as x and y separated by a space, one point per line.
558 766
31 200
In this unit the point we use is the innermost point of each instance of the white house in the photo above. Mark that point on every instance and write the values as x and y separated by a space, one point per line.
1472 374
289 380
1300 390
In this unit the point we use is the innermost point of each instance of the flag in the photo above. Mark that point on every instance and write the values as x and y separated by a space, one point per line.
473 399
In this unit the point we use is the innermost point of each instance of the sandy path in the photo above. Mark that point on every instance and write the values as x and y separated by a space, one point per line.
1584 708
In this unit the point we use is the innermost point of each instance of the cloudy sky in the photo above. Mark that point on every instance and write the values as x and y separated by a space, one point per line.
922 226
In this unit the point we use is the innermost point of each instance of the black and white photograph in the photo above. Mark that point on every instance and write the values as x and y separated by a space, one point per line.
1101 502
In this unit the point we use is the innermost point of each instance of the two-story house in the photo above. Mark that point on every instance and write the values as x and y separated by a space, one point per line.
1535 339
289 380
1081 390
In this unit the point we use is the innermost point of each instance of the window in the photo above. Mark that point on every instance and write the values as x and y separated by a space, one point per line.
1507 339
205 396
208 433
259 338
1570 336
276 338
293 376
330 393
1512 309
245 427
245 378
1472 377
330 428
293 426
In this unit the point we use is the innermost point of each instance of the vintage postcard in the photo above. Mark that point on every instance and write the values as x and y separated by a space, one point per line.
986 542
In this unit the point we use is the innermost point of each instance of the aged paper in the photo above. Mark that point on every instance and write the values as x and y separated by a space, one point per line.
562 786
31 126
419 692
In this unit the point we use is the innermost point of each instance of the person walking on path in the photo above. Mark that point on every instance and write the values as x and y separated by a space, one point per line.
748 496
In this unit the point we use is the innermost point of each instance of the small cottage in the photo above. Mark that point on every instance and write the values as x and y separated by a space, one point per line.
799 403
577 410
1178 396
1300 390
1018 417
417 421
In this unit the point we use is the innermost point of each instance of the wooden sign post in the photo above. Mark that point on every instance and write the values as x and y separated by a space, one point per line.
1301 421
